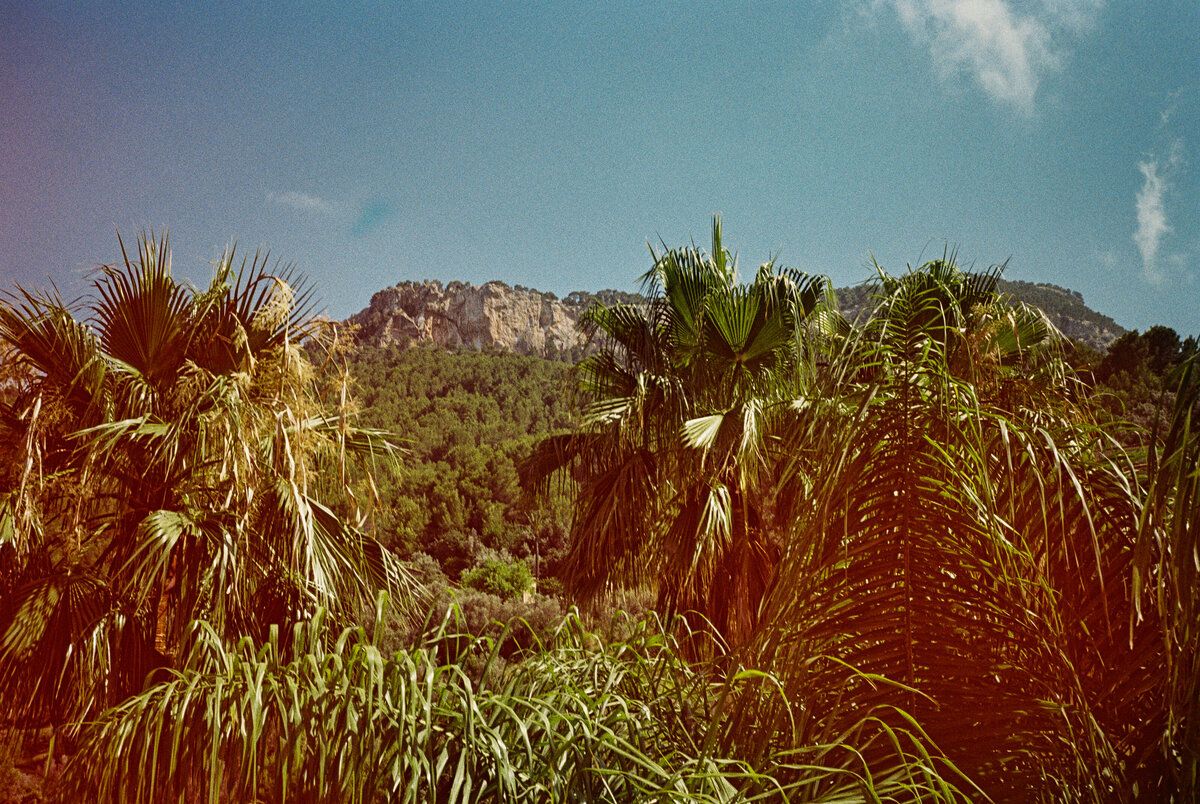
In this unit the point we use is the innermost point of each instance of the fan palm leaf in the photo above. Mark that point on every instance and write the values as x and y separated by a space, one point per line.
171 446
670 456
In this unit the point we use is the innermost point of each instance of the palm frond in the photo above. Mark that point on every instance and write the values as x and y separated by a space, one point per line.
1165 574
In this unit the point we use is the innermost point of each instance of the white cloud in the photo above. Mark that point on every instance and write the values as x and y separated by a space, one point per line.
1151 219
1005 51
306 203
1151 203
1164 118
1072 16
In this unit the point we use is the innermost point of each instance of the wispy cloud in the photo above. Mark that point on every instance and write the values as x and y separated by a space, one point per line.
1005 51
359 217
1158 173
1151 219
1164 117
306 203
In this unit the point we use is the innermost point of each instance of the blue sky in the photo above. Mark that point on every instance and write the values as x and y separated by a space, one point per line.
545 144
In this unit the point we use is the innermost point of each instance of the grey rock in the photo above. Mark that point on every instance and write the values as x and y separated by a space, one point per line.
463 315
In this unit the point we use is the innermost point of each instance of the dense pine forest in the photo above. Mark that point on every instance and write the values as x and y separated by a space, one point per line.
748 548
467 419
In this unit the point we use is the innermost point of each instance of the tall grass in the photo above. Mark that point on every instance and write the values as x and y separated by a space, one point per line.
300 717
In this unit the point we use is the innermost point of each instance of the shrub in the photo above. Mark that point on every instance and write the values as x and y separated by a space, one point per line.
503 578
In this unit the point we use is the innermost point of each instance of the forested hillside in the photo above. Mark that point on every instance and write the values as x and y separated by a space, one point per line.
466 418
469 417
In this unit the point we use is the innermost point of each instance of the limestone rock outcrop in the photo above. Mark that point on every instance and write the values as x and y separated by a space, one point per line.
463 315
526 321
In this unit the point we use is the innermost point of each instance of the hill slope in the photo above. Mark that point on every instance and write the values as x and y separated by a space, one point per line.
1065 309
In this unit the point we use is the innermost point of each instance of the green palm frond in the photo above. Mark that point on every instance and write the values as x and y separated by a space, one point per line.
1166 586
141 313
43 335
966 554
1021 328
614 524
669 462
174 450
273 305
701 433
48 622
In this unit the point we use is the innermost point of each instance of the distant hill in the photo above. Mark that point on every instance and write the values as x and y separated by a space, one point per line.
530 322
1065 308
1068 312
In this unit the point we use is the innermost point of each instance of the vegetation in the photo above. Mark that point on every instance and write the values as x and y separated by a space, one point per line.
961 533
668 458
955 529
506 579
1165 581
1134 381
908 558
165 462
467 419
581 720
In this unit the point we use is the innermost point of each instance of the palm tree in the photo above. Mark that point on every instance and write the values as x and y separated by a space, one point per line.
959 551
1166 582
163 446
671 460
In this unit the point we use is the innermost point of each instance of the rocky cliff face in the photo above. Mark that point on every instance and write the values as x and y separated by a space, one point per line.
461 314
541 324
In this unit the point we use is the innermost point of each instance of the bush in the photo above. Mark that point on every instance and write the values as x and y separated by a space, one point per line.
500 576
519 624
428 571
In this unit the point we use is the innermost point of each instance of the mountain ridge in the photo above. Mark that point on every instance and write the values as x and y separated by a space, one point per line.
531 322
